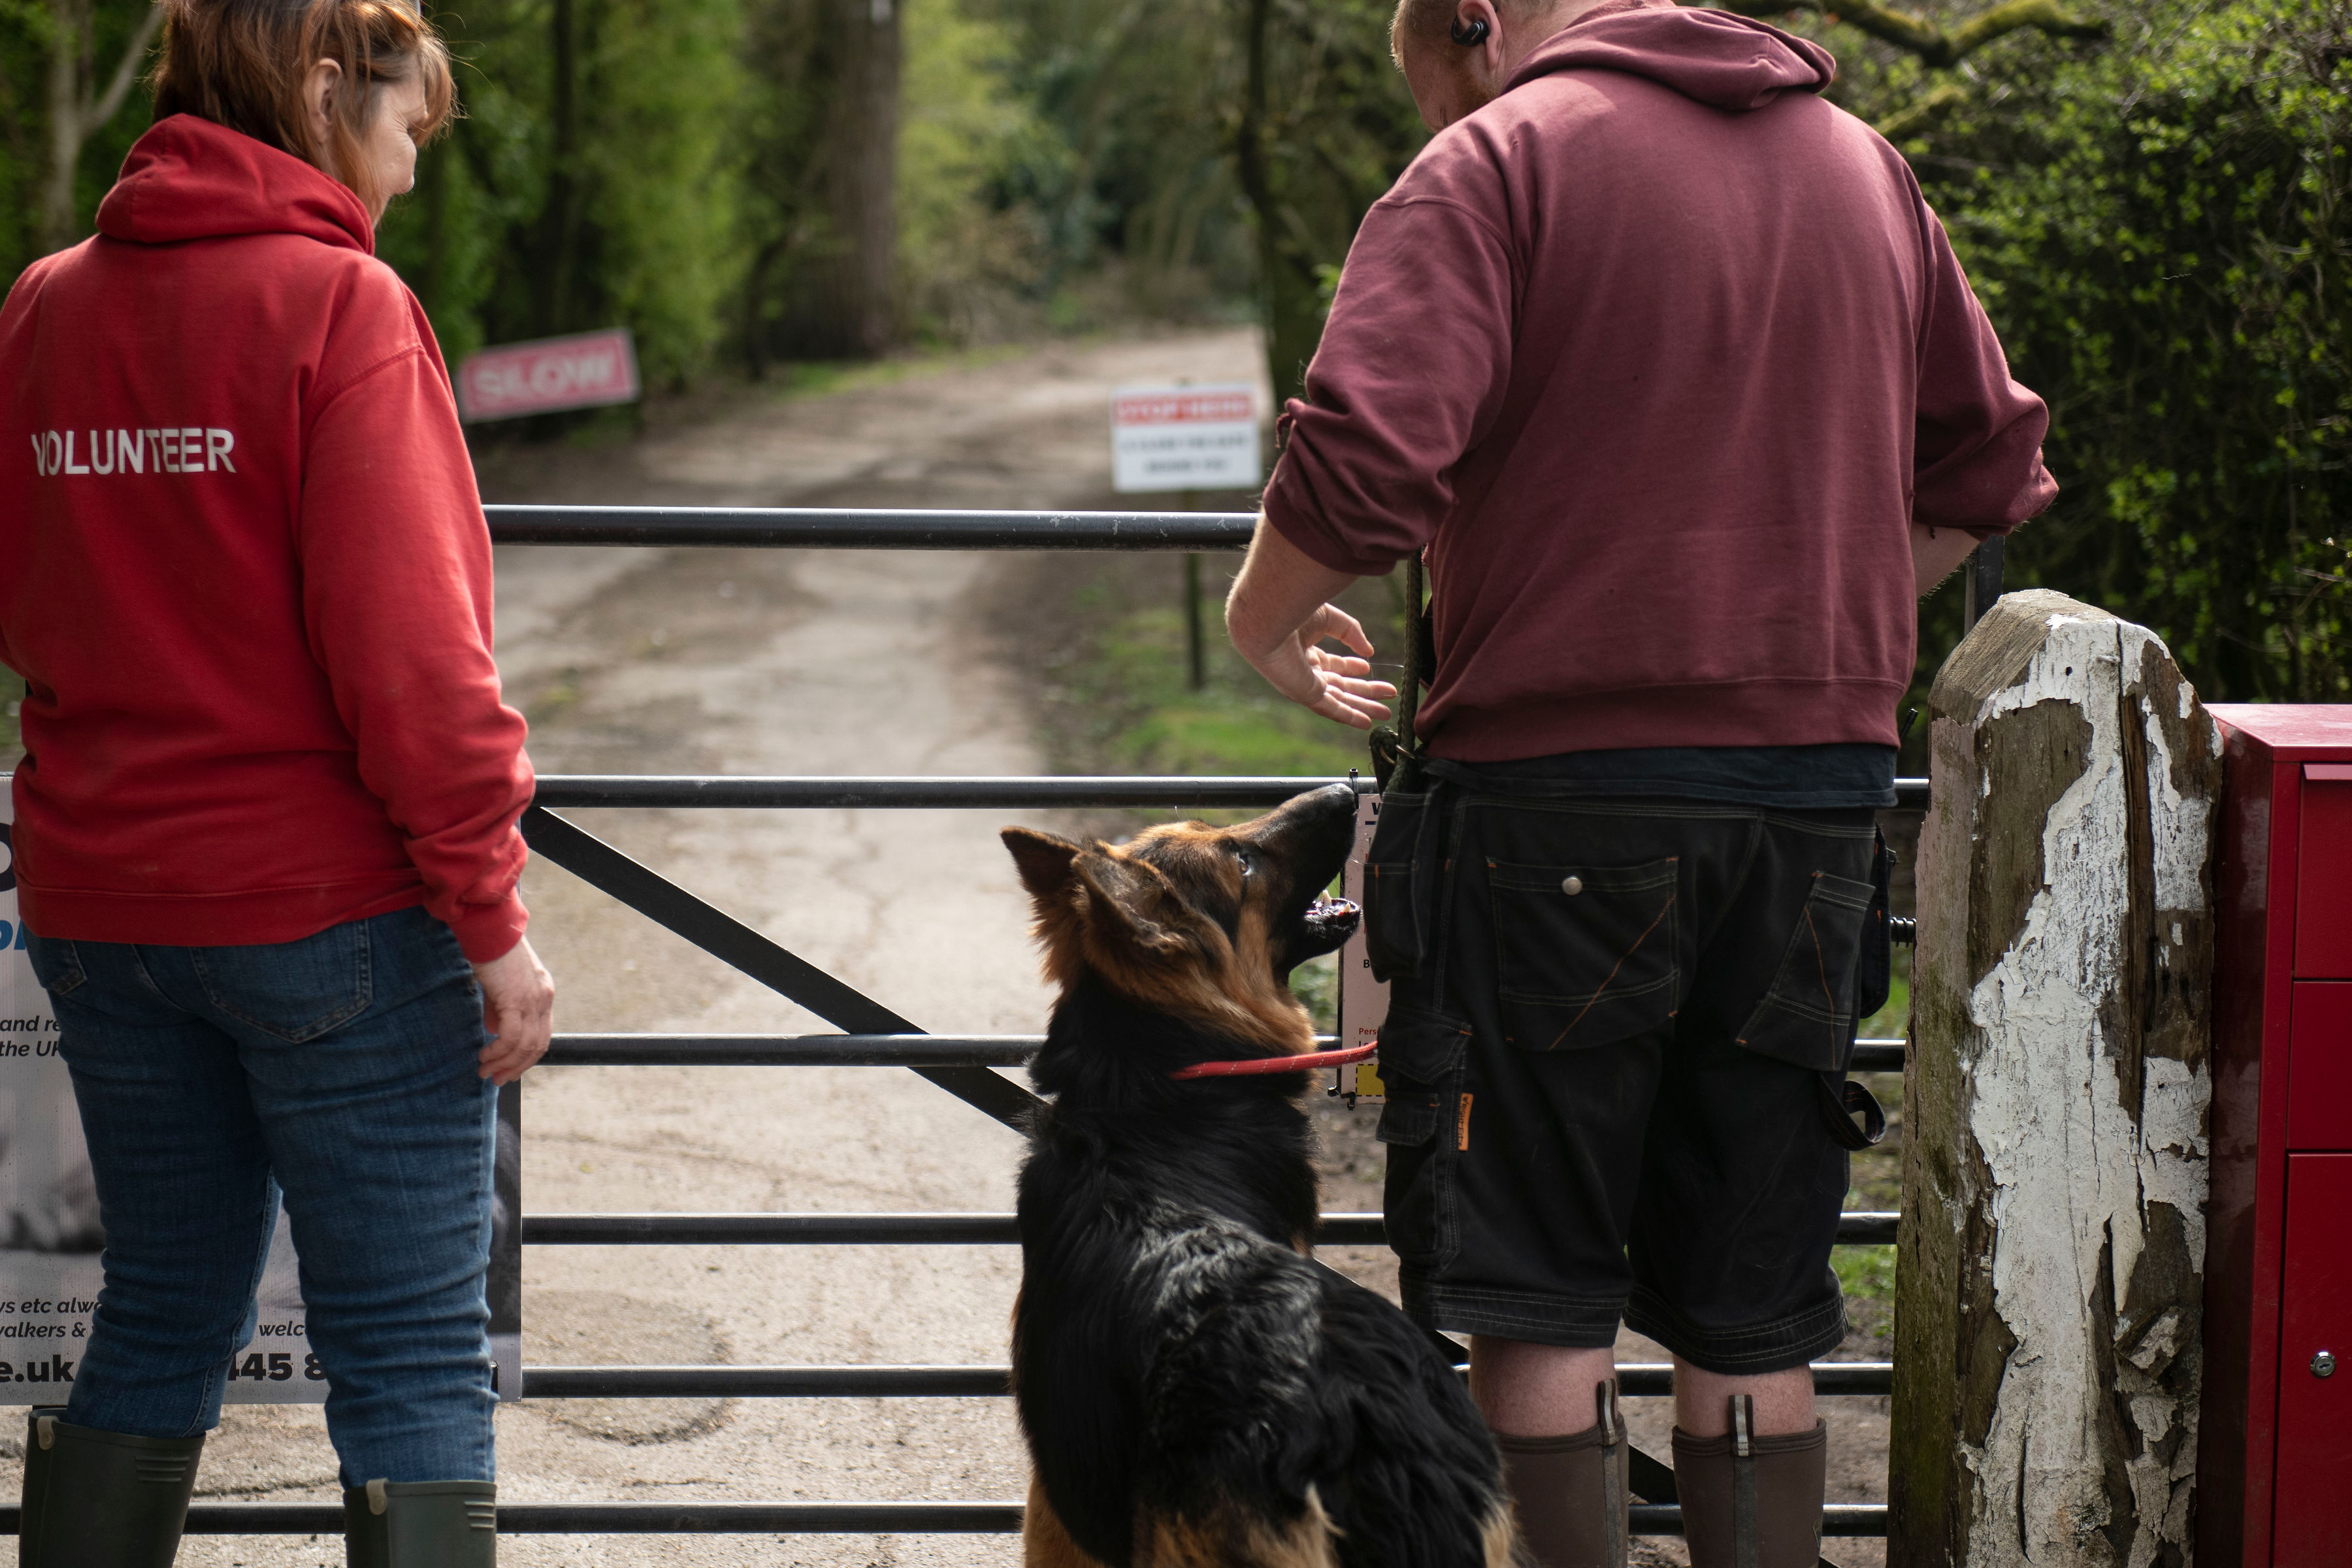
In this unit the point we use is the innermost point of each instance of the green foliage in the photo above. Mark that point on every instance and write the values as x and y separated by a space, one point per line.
2158 226
676 197
966 250
1865 1271
1215 149
27 28
511 234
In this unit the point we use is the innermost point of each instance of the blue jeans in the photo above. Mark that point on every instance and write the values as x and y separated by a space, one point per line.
339 1071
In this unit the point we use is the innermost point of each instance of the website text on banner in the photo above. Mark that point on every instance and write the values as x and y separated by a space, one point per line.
1184 438
50 1236
587 369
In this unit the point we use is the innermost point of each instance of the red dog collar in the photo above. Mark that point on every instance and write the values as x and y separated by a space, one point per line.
1250 1066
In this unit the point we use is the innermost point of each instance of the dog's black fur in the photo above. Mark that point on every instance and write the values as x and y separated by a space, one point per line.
1195 1390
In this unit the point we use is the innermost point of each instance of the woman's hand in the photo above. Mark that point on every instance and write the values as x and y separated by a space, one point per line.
518 1009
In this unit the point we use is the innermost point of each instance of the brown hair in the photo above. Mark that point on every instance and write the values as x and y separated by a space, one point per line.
240 63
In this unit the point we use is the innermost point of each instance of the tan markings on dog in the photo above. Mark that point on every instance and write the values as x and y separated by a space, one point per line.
1504 1549
1144 916
1223 1541
1044 1543
1012 1378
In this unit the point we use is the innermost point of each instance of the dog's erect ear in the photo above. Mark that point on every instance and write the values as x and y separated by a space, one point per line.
1127 902
1043 859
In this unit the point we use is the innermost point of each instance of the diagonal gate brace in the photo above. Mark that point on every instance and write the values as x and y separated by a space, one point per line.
731 941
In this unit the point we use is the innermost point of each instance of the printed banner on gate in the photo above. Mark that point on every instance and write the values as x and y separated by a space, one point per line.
587 369
49 1231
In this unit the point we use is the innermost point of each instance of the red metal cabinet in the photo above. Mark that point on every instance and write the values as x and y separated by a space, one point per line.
2275 1454
2311 1519
2322 884
2319 1114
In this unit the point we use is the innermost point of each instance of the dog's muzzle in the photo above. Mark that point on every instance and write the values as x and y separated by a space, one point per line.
1329 922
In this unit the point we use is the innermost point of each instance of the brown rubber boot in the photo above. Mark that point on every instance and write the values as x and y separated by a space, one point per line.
1750 1501
1569 1492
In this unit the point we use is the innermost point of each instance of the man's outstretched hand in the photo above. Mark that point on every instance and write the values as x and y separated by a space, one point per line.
1279 612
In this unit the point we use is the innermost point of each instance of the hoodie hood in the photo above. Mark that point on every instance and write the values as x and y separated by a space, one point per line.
191 179
1722 60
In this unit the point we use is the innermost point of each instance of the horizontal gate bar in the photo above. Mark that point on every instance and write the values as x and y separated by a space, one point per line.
637 1518
791 1050
895 1050
1857 1230
766 1382
815 527
1645 1379
1006 793
1848 1520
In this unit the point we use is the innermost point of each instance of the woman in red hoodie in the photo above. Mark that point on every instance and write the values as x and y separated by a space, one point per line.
264 832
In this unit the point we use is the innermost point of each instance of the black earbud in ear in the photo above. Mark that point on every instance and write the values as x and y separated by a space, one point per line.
1471 36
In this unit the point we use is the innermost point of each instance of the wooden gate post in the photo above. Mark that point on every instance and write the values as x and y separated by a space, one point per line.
2052 1249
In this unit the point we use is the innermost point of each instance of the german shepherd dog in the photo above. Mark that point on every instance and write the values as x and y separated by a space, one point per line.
1195 1392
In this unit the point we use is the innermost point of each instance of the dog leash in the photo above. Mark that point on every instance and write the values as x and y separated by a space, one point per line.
1250 1067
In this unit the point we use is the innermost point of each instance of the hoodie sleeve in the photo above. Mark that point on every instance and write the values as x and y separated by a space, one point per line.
1978 462
1412 368
396 594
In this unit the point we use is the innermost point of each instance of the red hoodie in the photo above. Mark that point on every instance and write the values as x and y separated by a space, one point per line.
1658 353
245 574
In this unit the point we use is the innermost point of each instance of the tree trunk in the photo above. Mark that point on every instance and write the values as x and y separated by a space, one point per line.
856 283
2052 1251
1293 307
558 233
69 67
76 110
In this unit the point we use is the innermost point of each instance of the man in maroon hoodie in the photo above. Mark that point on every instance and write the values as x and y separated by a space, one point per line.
1666 369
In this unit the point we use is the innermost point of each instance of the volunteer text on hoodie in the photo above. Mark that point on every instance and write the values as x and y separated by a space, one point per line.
1658 353
245 574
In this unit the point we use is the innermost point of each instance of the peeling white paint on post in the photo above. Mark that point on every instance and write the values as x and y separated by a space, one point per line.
2048 1314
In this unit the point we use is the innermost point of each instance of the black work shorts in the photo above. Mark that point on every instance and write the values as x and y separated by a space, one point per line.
1604 1080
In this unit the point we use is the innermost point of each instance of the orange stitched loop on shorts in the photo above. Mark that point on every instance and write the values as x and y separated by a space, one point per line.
1596 996
1462 1138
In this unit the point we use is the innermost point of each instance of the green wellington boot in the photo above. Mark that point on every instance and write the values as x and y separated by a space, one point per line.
102 1500
421 1524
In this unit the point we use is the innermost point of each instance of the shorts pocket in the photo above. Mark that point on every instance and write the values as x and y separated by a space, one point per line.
1807 1018
1420 1061
296 990
1400 908
55 964
1585 955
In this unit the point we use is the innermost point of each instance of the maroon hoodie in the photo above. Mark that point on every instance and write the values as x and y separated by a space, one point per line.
243 571
1658 354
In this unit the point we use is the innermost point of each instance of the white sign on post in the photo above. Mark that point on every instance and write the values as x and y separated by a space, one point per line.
1184 438
1363 1000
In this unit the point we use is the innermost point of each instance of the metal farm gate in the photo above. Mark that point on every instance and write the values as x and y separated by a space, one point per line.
874 1035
